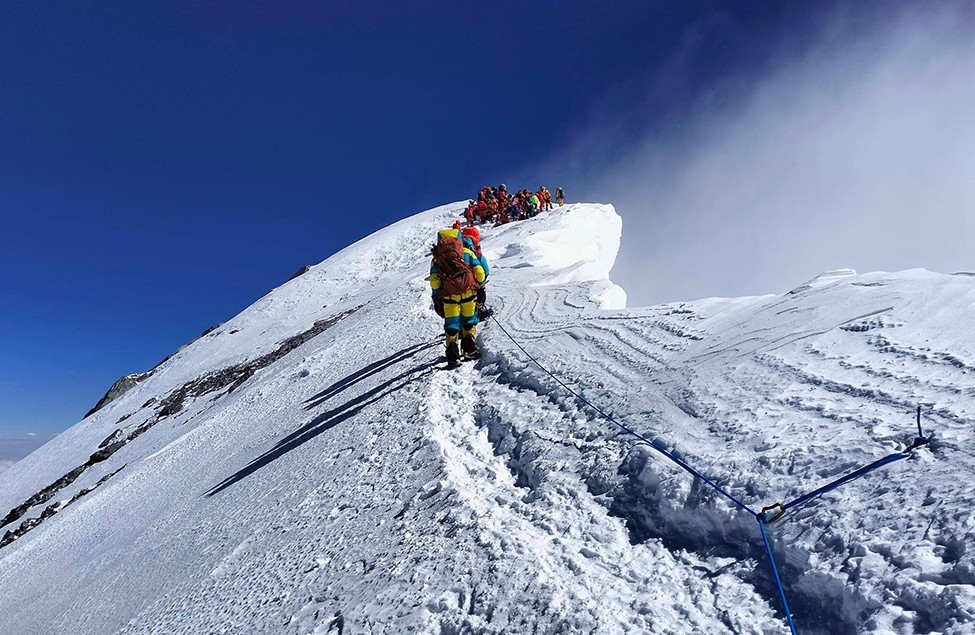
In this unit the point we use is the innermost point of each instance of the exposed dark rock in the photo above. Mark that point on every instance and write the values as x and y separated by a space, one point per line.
129 382
229 378
112 438
300 272
119 388
205 333
232 377
48 492
174 353
50 510
43 496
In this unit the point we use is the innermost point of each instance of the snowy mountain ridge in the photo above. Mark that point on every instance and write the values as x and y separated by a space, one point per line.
307 467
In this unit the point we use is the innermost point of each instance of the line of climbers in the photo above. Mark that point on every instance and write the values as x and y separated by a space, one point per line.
494 204
458 275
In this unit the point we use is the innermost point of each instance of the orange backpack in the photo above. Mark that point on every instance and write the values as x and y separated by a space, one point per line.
456 276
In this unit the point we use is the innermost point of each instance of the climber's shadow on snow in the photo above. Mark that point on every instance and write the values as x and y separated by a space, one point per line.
364 373
334 416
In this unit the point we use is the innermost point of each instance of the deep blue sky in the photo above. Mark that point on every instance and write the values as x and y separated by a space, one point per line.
162 165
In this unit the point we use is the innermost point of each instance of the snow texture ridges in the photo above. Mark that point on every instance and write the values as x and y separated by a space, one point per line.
307 468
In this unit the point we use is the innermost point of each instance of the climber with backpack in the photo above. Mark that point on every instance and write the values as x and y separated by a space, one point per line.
472 240
456 276
560 195
481 209
546 197
503 217
515 210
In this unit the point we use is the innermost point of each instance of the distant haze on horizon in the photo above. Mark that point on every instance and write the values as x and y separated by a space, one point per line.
13 449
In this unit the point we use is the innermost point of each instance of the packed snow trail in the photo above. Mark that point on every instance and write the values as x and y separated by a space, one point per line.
768 514
307 468
580 554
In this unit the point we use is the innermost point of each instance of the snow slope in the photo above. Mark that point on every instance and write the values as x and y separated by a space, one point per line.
307 467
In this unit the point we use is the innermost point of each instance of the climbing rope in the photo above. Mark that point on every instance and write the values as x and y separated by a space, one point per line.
775 576
626 428
770 513
779 509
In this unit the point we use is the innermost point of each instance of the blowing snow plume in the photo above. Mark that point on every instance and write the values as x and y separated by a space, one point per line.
851 149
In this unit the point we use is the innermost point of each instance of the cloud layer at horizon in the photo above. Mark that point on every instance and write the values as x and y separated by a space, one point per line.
14 448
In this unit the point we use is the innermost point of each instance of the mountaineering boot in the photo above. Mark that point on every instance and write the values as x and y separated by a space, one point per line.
468 344
452 352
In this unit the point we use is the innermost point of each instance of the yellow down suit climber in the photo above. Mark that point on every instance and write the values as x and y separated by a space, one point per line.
456 274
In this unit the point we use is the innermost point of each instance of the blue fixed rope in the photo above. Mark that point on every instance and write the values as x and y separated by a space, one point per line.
805 498
768 514
775 574
774 512
627 429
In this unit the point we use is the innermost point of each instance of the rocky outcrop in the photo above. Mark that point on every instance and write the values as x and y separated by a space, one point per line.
119 388
305 269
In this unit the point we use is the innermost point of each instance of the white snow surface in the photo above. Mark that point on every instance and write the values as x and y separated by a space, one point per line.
354 486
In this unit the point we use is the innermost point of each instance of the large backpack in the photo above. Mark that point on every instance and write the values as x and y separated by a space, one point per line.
456 276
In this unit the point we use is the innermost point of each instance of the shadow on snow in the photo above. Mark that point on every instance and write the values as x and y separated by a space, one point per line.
331 418
368 371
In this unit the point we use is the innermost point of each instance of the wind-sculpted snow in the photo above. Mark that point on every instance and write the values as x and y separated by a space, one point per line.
308 467
776 395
